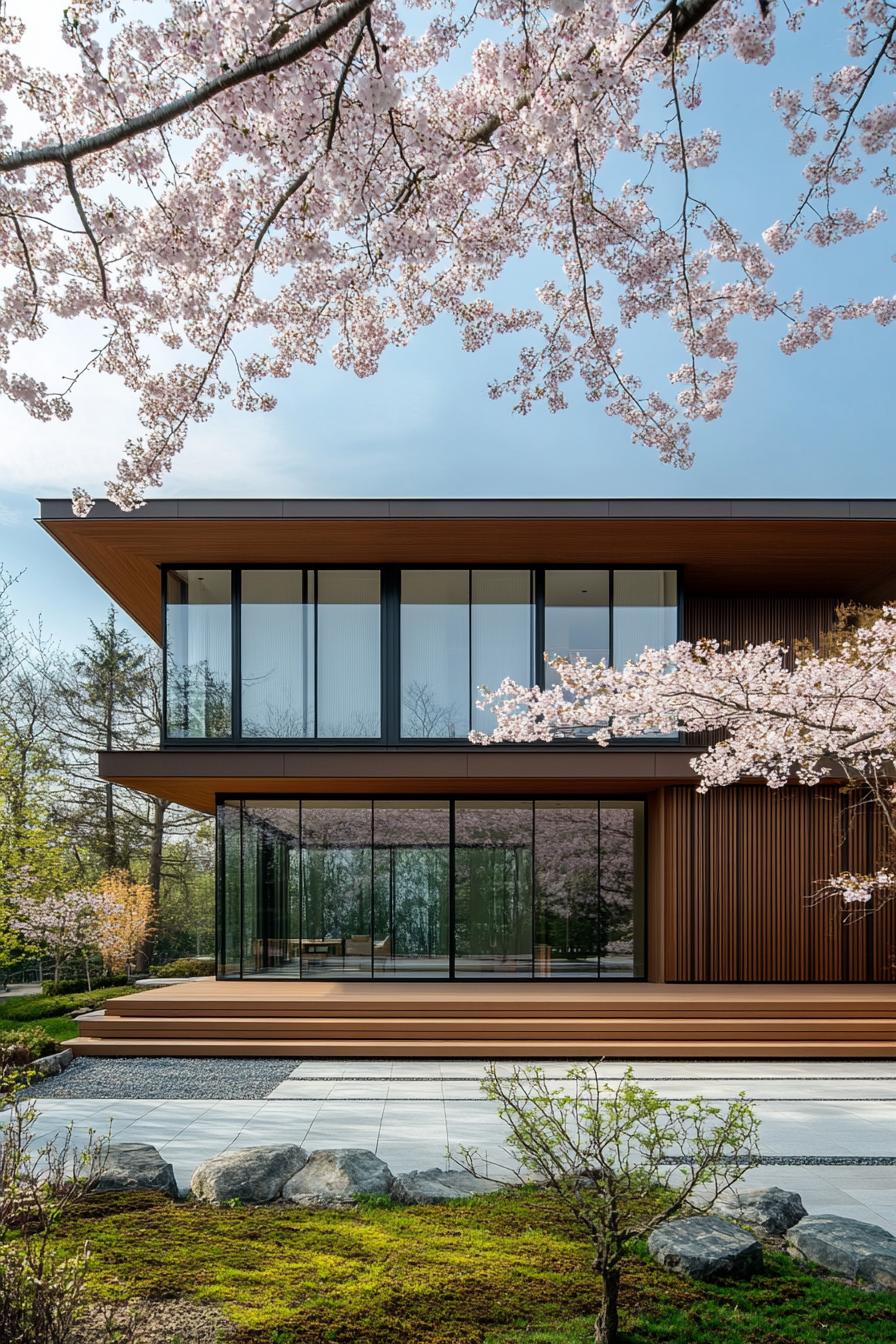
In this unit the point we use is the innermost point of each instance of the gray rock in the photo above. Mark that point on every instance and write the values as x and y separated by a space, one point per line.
333 1177
705 1247
770 1210
50 1066
136 1166
254 1175
844 1246
434 1185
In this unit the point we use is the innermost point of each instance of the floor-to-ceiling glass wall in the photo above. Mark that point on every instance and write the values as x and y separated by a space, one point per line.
431 888
411 887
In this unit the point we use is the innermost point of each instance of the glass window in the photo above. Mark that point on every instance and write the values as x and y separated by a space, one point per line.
435 653
576 615
493 889
198 653
348 653
410 888
229 909
567 889
645 611
622 894
337 922
277 652
502 632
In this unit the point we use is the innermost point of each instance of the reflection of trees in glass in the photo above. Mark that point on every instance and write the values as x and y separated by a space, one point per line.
493 881
423 716
273 720
411 876
336 890
198 701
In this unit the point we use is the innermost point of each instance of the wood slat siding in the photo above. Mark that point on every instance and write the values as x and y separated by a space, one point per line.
737 621
741 866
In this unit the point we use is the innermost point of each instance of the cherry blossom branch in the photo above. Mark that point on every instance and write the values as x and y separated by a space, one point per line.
267 64
87 227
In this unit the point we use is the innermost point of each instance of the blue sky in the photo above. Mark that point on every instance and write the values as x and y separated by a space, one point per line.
816 424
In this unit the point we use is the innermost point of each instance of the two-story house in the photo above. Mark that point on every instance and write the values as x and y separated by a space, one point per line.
384 886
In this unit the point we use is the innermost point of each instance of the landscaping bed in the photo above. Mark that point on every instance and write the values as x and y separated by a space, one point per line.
44 1020
491 1270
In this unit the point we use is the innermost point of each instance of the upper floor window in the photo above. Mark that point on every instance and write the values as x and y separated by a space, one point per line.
387 655
198 701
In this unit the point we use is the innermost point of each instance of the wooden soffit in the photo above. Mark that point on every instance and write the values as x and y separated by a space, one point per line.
193 777
842 548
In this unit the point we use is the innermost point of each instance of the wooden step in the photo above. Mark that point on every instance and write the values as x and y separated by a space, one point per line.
369 1048
109 1026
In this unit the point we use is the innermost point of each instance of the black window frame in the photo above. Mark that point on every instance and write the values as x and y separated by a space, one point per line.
390 657
531 797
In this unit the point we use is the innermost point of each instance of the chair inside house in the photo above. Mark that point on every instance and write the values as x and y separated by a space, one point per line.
361 948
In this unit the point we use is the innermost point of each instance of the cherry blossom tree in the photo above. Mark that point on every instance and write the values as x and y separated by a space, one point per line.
64 925
820 716
224 188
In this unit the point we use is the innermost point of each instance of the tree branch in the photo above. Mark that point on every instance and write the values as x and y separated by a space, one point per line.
267 64
88 228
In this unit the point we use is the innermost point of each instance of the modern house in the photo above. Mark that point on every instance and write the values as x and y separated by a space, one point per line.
385 887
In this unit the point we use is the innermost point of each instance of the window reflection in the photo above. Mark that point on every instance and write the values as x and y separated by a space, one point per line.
336 889
198 653
503 633
348 653
435 653
645 612
493 889
277 652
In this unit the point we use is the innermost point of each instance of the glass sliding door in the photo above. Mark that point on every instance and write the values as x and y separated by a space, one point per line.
348 653
277 652
411 888
198 653
337 890
493 889
435 652
270 874
622 889
429 889
229 889
567 889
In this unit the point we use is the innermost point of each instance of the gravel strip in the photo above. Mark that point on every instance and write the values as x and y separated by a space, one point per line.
168 1079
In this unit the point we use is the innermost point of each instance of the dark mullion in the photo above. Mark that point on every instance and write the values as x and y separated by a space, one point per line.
316 643
452 921
539 670
236 633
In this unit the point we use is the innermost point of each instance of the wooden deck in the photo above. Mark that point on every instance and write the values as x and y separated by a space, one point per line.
498 1020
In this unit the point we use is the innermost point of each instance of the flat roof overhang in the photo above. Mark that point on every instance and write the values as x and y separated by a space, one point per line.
844 548
194 776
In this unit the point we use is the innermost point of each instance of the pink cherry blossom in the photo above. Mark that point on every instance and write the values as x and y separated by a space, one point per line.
225 190
824 716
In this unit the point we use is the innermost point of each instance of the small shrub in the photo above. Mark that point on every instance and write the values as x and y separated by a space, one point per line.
22 1044
80 986
35 1006
183 966
41 1291
621 1158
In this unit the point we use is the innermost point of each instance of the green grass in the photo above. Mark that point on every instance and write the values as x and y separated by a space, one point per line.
493 1270
38 1007
60 1028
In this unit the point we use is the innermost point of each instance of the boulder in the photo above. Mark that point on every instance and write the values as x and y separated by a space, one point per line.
770 1210
49 1066
136 1166
253 1175
336 1176
844 1246
705 1247
434 1185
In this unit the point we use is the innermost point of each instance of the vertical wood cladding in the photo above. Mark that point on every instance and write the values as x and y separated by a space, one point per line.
737 621
756 620
741 866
